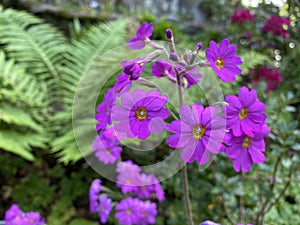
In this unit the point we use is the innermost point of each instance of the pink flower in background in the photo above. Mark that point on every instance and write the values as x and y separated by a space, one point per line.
272 77
223 60
142 35
199 132
244 113
241 15
278 26
245 150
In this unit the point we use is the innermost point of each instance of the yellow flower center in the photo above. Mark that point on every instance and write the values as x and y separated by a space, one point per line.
141 113
102 208
128 211
243 113
108 151
220 63
247 142
198 132
144 214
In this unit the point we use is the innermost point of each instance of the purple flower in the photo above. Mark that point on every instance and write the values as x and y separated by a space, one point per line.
163 68
106 150
246 150
105 207
147 212
15 216
123 83
223 60
93 195
245 113
128 211
33 218
133 68
128 177
191 77
104 110
12 214
199 132
142 36
208 222
149 187
140 113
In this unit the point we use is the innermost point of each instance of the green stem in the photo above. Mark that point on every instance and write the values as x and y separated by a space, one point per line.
185 184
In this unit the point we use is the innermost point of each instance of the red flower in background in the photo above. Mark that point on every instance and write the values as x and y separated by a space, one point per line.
271 76
278 26
241 15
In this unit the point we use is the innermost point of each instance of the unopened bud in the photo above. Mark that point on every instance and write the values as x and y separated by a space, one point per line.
169 34
198 46
174 56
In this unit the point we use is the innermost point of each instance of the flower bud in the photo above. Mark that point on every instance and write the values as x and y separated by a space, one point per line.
174 56
169 34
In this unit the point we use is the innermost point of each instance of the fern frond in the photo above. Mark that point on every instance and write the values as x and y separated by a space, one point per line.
19 87
20 143
82 57
39 47
21 103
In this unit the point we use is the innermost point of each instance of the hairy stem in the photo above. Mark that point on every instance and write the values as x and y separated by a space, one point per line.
185 184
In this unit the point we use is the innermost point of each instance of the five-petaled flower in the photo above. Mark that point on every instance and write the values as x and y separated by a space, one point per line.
106 149
245 113
246 150
142 36
223 60
199 132
140 113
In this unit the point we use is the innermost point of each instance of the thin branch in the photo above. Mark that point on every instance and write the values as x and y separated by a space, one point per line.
282 191
229 216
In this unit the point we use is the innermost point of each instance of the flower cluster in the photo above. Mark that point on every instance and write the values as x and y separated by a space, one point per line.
14 215
278 26
131 180
128 112
241 15
246 122
129 210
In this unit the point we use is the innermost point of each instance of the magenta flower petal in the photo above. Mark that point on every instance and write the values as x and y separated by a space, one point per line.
142 35
244 113
223 60
140 107
246 150
199 133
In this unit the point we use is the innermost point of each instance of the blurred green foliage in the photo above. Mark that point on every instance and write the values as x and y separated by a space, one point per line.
39 72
